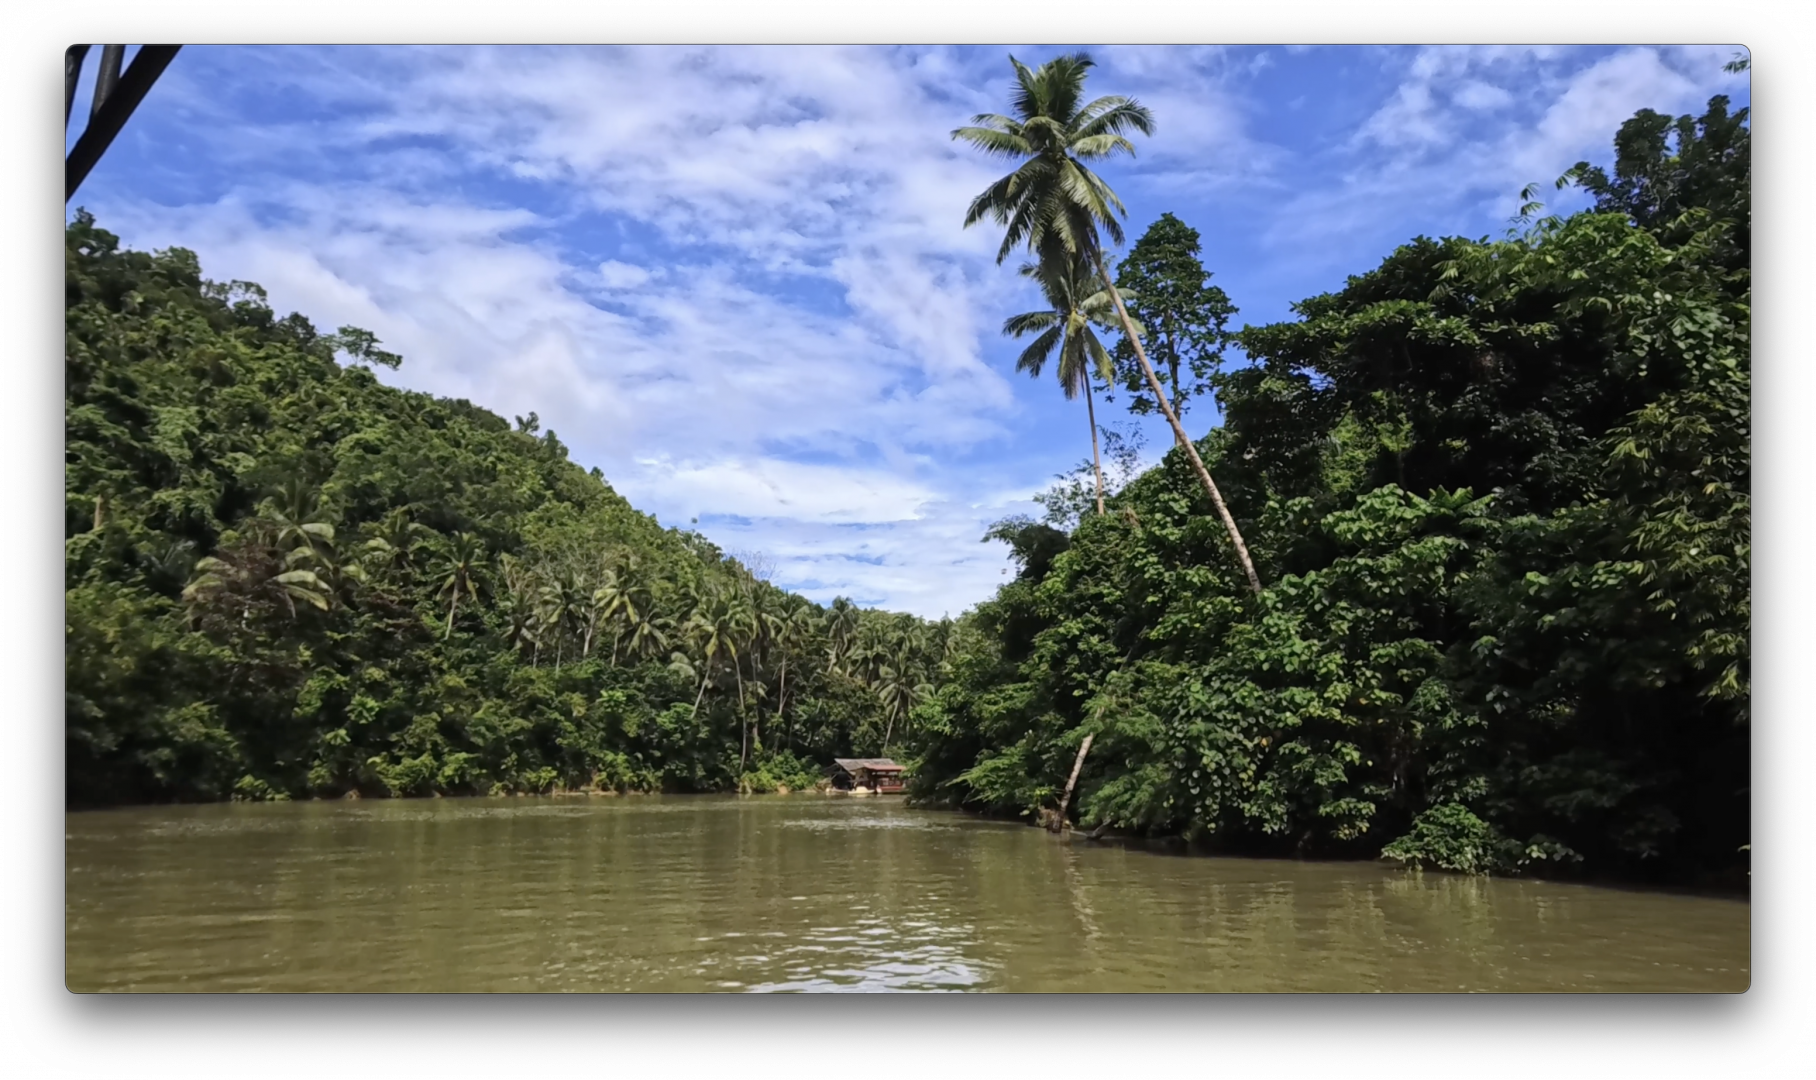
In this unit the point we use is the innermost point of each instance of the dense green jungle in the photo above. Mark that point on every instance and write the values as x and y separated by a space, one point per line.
1480 600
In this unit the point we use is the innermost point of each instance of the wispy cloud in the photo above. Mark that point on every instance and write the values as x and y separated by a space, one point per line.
734 279
1464 129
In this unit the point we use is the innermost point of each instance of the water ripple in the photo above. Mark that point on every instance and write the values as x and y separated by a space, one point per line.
792 894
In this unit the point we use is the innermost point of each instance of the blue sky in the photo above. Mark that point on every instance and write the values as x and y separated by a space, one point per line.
735 279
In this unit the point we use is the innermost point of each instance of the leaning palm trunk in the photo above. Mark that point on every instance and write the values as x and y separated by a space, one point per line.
1160 396
781 700
1096 461
743 724
756 713
1059 819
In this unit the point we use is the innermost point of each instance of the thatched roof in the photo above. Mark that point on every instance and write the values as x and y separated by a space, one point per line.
874 764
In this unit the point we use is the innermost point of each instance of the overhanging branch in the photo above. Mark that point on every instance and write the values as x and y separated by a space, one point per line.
117 94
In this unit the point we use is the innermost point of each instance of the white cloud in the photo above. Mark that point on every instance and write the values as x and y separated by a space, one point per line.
620 275
1411 119
1583 119
743 290
1418 157
1478 96
777 488
690 372
932 565
1201 111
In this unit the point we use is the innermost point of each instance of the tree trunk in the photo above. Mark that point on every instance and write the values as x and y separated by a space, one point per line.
781 698
1059 819
453 602
1178 398
1096 461
737 670
1204 474
699 696
1173 369
756 716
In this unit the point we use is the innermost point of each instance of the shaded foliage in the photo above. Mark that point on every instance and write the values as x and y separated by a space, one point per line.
1501 491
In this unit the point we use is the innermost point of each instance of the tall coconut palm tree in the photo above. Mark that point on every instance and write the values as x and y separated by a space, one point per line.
719 629
648 634
296 511
793 632
521 592
841 632
1078 302
624 598
1058 209
457 565
256 570
393 540
562 602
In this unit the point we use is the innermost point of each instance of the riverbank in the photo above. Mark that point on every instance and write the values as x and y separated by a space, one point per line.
1734 883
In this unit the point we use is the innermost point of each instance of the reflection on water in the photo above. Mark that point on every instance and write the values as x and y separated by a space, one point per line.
876 954
806 893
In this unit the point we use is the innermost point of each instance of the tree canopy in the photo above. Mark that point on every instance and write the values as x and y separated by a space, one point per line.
1184 317
1500 491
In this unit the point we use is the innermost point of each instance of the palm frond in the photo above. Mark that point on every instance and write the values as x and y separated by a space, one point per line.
1028 322
1045 133
1065 84
999 199
1100 357
1114 114
1067 231
1084 189
1034 357
1073 365
300 577
1100 308
995 143
1092 147
996 121
1028 98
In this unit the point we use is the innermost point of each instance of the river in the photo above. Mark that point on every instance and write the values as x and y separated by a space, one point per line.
808 892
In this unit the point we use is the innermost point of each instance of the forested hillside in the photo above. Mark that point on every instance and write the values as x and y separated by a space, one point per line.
285 579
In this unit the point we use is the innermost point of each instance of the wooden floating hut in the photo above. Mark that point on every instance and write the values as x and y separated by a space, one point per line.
866 776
